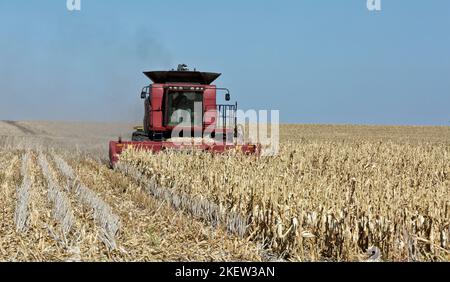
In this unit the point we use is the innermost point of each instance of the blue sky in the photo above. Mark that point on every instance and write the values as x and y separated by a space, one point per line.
315 61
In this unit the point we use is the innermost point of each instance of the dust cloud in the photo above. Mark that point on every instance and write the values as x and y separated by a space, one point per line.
76 71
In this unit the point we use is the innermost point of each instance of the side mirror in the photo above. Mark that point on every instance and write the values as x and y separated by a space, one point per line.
143 94
227 97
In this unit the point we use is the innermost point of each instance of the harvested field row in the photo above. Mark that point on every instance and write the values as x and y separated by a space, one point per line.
152 227
79 210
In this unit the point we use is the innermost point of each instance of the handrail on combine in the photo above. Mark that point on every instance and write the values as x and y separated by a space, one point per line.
227 116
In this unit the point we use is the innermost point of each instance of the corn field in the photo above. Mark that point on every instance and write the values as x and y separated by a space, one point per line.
331 194
316 201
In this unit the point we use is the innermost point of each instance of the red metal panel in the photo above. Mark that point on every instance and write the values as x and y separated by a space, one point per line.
147 114
157 111
209 106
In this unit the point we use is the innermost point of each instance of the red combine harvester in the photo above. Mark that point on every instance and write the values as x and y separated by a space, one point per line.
189 92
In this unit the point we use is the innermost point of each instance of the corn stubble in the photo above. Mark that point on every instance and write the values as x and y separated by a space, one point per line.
331 194
66 207
320 200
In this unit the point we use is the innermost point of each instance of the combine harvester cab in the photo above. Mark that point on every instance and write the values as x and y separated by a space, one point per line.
181 113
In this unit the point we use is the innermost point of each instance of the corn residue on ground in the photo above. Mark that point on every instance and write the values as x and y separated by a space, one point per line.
331 194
